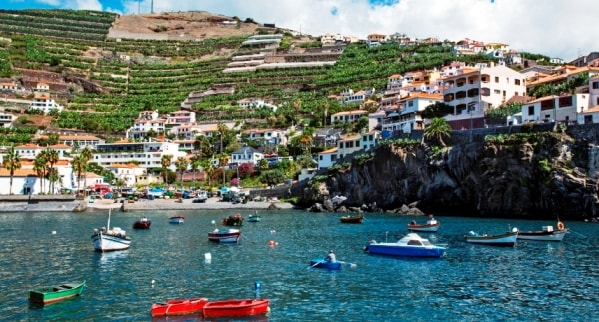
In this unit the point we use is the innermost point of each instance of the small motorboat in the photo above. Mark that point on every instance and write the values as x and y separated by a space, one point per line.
352 219
236 308
142 223
224 236
179 219
431 226
53 294
179 307
411 245
323 263
508 239
547 233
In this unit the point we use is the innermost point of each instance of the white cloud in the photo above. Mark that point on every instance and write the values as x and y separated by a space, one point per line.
84 5
556 28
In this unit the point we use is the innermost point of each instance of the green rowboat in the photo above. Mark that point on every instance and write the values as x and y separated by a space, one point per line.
47 295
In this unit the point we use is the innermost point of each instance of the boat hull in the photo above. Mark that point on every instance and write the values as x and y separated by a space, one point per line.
322 263
425 228
107 243
351 220
176 220
253 218
179 307
393 249
235 308
142 224
505 240
557 235
228 236
55 294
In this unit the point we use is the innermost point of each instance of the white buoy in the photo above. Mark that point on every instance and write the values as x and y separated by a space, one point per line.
272 231
54 232
153 281
208 258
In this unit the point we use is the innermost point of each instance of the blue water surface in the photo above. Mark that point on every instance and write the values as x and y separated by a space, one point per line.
534 281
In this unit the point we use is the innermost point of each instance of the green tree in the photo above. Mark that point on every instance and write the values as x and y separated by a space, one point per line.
165 161
40 165
52 158
12 162
195 165
79 164
271 177
437 129
181 164
86 154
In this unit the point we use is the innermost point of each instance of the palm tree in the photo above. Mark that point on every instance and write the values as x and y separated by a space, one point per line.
40 166
195 165
12 162
438 128
87 155
208 168
79 165
181 164
52 157
165 161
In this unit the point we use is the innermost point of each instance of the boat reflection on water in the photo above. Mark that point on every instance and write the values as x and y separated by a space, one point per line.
109 259
198 317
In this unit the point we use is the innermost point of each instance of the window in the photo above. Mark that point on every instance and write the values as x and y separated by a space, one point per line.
517 81
595 85
496 79
531 110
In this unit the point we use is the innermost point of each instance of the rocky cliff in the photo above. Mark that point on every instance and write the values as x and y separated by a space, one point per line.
534 175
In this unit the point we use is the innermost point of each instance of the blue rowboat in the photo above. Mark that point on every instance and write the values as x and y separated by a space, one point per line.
322 263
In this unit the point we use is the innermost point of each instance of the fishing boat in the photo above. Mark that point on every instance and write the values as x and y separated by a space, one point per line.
107 240
179 219
53 294
142 223
547 233
431 225
236 308
352 219
233 220
508 239
179 307
255 217
323 263
411 245
224 236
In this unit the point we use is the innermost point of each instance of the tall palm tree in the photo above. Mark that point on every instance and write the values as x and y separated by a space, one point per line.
39 166
12 162
87 155
52 158
165 161
438 128
181 164
79 165
208 168
195 165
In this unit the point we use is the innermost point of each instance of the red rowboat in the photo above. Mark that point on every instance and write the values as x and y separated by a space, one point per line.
225 236
352 220
179 307
244 307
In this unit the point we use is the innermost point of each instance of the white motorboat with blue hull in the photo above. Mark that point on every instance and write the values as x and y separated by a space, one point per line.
412 245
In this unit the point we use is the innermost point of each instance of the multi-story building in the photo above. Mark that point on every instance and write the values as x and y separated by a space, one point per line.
408 118
43 101
348 144
128 173
348 116
146 154
30 150
147 122
180 118
555 108
6 119
472 90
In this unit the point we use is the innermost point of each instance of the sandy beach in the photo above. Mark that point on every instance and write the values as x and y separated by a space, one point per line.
143 204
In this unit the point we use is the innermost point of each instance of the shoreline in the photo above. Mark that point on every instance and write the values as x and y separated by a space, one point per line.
213 203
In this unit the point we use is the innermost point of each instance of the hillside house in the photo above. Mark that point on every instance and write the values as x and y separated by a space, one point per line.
348 144
43 102
7 119
246 155
180 118
348 116
146 154
555 108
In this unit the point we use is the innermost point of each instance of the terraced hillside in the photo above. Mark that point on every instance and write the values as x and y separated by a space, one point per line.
104 82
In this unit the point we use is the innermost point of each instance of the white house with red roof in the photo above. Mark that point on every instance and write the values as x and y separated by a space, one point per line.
30 150
43 102
147 122
127 172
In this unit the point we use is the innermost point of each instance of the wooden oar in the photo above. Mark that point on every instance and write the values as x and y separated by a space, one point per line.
315 264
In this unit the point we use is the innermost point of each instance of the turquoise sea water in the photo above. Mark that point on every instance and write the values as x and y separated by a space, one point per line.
535 281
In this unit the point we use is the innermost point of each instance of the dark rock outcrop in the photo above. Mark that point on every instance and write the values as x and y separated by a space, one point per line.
546 175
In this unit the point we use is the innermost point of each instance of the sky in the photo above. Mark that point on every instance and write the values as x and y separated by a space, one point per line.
556 28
